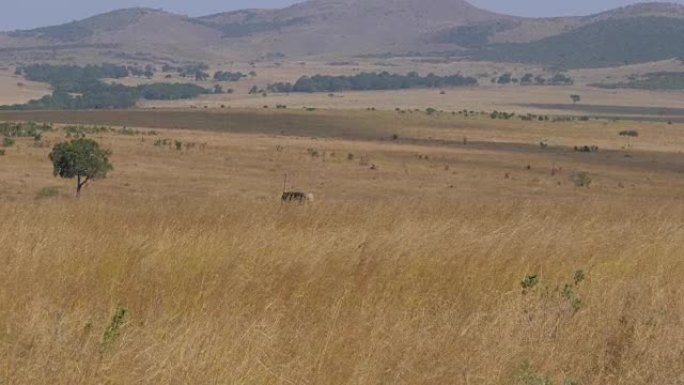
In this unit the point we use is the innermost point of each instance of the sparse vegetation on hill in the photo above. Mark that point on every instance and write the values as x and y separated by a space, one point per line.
368 28
23 129
650 81
71 77
233 30
83 29
372 81
170 91
81 88
606 43
473 36
223 76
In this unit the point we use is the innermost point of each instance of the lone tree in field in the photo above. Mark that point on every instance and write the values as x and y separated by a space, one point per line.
82 159
575 98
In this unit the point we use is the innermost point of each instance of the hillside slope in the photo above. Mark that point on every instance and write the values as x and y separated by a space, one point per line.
604 43
347 28
128 30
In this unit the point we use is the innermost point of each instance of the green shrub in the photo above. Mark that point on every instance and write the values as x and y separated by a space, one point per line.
8 142
312 152
94 93
113 331
371 81
631 133
525 376
582 179
47 192
530 281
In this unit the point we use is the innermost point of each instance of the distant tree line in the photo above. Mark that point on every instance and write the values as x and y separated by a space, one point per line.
531 79
222 76
371 81
198 71
82 88
48 73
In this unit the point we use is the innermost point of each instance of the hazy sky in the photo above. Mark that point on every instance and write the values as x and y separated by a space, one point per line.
16 14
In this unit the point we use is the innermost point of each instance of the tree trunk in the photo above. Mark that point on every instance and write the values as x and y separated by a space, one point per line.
80 184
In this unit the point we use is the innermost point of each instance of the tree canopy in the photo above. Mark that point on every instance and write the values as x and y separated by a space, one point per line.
372 81
82 159
82 88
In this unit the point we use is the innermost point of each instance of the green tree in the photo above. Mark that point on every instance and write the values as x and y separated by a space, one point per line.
575 98
82 159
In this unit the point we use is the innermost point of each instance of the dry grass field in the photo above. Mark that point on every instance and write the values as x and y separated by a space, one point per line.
484 97
183 267
15 89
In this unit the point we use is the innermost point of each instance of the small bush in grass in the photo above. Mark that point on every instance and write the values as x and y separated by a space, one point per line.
350 156
113 331
530 281
592 148
526 376
2 152
8 142
582 179
47 192
631 133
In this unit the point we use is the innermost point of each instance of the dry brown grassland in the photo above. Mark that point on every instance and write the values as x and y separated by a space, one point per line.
184 268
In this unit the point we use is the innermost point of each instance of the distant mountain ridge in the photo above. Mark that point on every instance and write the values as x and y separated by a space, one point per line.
346 28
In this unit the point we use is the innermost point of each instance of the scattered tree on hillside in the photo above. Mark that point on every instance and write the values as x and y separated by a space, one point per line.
77 87
506 78
575 98
372 81
528 78
222 76
201 76
82 159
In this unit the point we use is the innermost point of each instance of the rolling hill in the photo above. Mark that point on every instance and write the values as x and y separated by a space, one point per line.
126 31
605 43
347 28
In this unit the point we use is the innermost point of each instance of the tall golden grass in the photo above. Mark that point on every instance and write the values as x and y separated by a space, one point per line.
417 291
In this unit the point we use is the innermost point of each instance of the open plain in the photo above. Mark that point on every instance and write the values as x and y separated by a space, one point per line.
440 249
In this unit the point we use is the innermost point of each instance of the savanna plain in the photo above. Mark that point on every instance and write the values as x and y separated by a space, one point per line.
441 248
